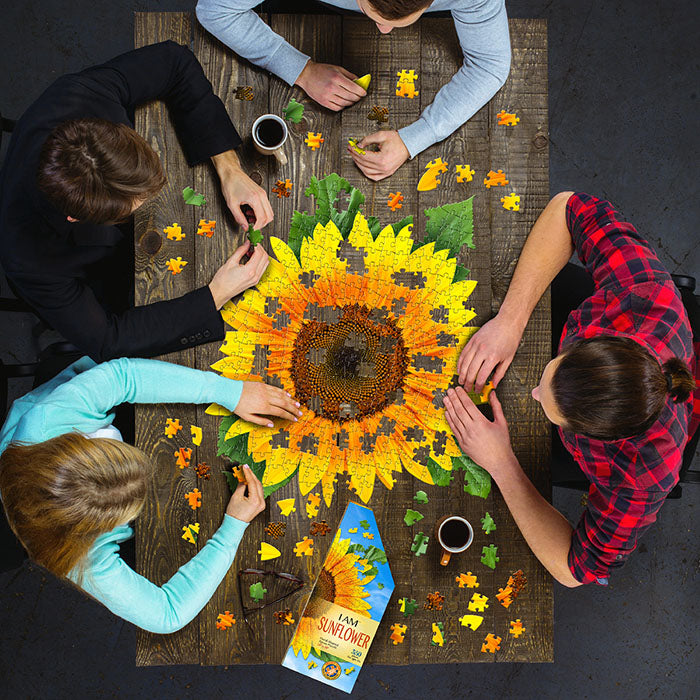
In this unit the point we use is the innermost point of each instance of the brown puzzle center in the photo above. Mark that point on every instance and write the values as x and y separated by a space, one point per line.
351 368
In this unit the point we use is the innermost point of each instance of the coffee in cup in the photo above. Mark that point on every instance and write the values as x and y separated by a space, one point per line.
454 534
269 134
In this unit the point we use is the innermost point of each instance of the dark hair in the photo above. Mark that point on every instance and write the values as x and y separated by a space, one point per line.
611 387
95 170
398 9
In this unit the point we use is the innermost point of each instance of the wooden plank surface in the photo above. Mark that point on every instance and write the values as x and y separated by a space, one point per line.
430 47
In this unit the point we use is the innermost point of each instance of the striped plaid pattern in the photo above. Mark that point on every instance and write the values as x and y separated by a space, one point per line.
634 297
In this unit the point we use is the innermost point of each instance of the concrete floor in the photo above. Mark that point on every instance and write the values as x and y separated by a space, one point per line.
624 125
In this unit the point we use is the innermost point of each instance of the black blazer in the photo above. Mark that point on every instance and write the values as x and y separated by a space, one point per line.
48 260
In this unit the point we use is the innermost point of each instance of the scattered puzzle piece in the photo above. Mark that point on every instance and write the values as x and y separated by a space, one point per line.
224 620
287 506
206 228
412 516
511 202
429 179
478 603
254 235
244 92
405 86
368 535
283 188
488 556
267 551
465 173
183 455
305 547
192 197
174 232
491 644
202 470
438 639
394 202
421 497
493 179
314 501
408 607
294 111
172 427
434 601
190 532
507 118
320 528
196 435
516 628
194 498
471 621
313 141
483 397
276 529
364 524
505 596
378 114
257 592
175 265
284 617
420 544
468 580
352 530
397 633
487 524
363 81
353 146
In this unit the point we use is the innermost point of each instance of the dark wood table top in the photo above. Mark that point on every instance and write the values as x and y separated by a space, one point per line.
429 47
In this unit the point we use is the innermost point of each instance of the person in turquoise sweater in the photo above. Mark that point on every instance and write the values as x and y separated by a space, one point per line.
70 485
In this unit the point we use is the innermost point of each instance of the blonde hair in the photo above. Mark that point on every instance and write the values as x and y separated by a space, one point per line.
61 494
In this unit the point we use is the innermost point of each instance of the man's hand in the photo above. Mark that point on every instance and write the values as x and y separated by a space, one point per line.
493 346
377 165
258 401
486 442
239 189
330 86
244 507
232 277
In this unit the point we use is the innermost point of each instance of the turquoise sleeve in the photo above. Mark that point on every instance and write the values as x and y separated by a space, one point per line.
160 609
84 402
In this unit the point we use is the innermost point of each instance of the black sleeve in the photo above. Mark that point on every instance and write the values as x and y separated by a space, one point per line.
169 72
144 331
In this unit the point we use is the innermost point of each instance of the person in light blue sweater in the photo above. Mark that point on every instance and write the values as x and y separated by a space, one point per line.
482 30
70 485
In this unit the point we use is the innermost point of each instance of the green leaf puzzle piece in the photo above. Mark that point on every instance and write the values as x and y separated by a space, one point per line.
257 592
192 197
421 497
487 524
412 516
254 236
477 480
451 226
488 556
294 111
409 606
364 524
420 544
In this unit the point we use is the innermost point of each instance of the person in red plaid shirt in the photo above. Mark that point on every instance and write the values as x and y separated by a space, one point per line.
619 390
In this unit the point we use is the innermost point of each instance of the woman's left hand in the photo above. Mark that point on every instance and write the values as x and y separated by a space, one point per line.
258 401
486 442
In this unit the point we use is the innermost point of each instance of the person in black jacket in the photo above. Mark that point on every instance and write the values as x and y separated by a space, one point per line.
75 169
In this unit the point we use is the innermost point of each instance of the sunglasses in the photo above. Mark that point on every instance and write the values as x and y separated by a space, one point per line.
299 584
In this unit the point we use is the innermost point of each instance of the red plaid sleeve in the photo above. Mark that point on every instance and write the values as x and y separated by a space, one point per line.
609 530
610 248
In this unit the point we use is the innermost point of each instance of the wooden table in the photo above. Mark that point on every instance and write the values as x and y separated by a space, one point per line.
430 47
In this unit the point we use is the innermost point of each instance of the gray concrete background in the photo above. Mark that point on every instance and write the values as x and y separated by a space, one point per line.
624 125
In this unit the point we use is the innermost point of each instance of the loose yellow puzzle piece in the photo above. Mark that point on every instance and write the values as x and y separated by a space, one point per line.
183 456
465 173
363 81
511 202
224 620
397 633
516 628
429 179
353 145
305 547
196 435
491 643
194 498
206 228
174 232
478 603
437 636
468 580
471 621
352 530
313 505
267 551
368 535
190 532
287 506
507 118
494 178
175 265
172 427
313 141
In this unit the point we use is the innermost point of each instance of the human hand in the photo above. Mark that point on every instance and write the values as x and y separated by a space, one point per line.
486 442
238 190
330 86
377 165
258 401
492 346
244 507
233 277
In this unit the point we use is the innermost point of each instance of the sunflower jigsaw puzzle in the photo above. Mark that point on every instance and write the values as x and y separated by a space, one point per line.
363 325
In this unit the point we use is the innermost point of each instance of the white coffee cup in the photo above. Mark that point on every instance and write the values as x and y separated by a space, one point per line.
462 531
269 135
